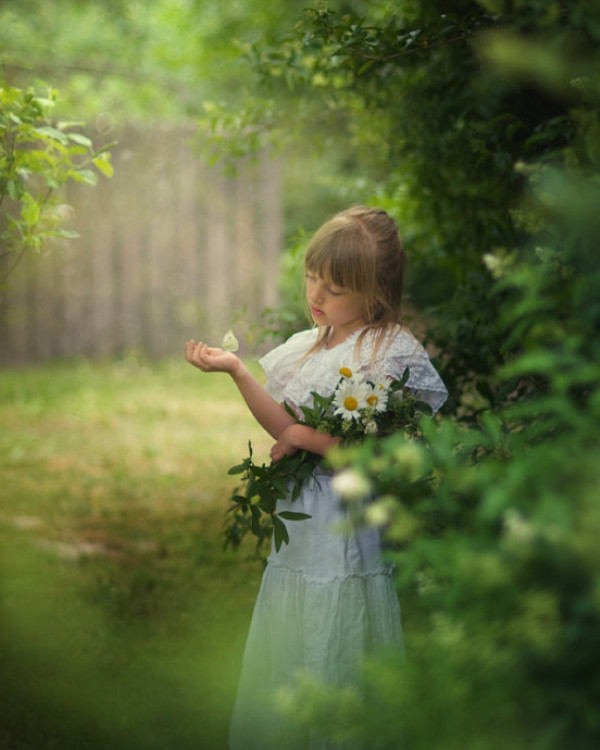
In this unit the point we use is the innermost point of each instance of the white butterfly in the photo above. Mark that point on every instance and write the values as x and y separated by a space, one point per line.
230 343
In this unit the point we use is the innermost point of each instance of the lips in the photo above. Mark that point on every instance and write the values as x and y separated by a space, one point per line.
316 311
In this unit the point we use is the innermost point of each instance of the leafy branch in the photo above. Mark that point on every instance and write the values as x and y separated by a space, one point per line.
37 157
263 486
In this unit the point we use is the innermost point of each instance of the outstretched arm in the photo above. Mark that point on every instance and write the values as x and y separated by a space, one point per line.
268 413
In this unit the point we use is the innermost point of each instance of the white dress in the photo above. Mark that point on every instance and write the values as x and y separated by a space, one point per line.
326 598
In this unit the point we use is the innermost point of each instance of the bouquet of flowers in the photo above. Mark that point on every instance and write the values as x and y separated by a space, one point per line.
358 409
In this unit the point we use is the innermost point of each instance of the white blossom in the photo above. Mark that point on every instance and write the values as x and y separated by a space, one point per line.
350 398
351 485
371 427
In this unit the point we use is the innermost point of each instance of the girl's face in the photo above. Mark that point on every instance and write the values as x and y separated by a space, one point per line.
331 305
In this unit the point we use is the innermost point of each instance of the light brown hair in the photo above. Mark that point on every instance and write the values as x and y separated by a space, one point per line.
360 249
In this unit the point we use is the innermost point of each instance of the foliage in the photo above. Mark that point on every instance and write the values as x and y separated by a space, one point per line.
37 157
255 511
137 60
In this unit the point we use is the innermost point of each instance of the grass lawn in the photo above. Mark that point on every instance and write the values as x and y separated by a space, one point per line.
122 619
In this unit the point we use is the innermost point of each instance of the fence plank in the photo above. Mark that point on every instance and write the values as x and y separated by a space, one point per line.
169 249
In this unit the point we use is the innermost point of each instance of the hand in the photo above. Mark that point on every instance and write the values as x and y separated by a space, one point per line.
297 437
286 444
210 359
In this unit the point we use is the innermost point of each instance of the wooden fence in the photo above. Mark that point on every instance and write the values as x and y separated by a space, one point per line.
169 249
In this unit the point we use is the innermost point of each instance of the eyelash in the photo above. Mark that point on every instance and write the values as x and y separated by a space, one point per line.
312 277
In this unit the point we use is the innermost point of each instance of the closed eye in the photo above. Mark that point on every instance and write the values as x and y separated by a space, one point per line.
313 277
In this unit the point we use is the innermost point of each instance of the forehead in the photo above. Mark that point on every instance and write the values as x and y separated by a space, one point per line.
330 272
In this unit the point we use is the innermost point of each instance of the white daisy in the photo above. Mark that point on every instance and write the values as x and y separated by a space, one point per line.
350 398
378 397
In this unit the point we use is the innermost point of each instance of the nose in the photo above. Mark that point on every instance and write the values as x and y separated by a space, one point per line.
315 293
315 298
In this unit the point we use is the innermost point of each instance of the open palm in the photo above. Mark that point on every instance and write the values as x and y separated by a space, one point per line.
210 359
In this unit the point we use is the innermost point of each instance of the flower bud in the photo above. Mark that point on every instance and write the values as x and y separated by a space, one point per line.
371 427
351 485
409 460
378 513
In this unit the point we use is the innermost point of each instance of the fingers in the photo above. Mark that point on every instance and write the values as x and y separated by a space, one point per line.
195 353
189 349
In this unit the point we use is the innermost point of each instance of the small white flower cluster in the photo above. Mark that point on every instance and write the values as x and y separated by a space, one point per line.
357 399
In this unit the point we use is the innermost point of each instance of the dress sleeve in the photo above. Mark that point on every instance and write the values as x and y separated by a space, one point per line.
405 351
282 362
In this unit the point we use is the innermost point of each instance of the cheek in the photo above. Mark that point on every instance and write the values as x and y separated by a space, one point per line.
360 305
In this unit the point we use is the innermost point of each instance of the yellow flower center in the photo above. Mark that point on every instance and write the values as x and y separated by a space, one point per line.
372 400
350 403
346 372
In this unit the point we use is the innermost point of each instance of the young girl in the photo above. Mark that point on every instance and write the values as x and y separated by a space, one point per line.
326 598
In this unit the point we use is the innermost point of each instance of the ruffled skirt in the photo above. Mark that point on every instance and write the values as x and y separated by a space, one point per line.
326 600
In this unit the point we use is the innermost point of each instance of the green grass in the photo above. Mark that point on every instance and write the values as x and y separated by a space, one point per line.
122 619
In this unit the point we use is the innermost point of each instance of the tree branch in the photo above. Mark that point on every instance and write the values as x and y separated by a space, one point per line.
422 48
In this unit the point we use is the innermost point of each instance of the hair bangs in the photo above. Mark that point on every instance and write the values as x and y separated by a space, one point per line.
339 256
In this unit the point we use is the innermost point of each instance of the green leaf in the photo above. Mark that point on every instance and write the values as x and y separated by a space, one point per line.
296 489
104 166
77 150
238 469
366 66
308 414
50 132
423 407
84 175
66 124
290 411
268 502
15 189
280 532
30 210
81 139
104 149
280 484
291 515
68 234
